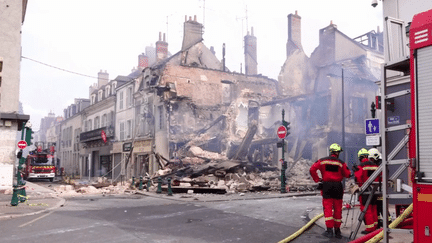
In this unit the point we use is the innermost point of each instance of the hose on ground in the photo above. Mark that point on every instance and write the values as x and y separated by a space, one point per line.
366 237
302 229
393 225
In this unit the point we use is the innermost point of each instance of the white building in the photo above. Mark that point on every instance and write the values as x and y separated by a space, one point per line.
11 18
97 129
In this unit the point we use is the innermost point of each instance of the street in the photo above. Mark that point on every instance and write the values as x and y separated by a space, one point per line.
137 218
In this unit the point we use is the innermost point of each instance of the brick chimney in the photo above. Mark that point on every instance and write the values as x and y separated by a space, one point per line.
294 33
251 64
161 48
143 61
103 78
192 32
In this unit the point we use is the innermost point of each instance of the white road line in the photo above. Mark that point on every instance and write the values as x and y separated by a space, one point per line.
36 219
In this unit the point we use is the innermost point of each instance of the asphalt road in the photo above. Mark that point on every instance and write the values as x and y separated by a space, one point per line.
136 218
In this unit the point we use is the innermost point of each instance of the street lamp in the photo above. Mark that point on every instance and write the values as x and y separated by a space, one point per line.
343 117
343 113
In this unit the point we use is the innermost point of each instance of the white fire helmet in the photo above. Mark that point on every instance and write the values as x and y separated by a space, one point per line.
374 153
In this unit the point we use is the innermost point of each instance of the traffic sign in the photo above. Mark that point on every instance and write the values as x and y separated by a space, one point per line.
372 126
374 140
282 132
22 144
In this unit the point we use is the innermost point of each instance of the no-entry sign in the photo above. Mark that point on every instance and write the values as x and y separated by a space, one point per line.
282 132
22 144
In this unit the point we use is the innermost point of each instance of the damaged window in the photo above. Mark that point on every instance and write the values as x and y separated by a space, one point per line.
129 129
357 110
320 110
160 110
154 80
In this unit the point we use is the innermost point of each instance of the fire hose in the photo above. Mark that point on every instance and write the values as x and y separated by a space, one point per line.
302 229
393 225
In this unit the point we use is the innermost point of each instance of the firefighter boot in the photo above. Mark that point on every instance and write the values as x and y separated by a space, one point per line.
380 223
328 233
338 233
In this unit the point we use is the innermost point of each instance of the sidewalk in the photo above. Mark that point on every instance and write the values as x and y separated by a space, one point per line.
40 199
350 220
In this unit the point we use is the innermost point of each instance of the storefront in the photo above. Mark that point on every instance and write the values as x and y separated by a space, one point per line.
143 158
96 159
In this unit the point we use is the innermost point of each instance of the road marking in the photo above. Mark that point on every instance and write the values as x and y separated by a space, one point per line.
36 219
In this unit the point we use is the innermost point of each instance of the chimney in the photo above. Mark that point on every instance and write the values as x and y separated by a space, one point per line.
294 33
103 78
192 33
161 48
212 50
143 61
251 64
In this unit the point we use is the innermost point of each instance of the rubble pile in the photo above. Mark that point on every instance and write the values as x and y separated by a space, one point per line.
101 186
235 176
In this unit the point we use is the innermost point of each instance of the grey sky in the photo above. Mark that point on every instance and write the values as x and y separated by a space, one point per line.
86 36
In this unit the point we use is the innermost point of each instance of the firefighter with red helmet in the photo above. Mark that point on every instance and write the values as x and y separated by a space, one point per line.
333 170
364 171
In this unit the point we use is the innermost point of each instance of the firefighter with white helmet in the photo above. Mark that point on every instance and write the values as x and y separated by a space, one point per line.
362 174
375 157
333 170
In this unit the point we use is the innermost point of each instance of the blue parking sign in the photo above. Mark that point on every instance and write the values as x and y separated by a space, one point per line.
372 126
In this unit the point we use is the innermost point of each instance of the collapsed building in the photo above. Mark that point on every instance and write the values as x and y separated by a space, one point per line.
187 116
314 86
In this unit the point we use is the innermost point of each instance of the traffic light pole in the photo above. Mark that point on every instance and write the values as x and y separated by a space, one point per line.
19 193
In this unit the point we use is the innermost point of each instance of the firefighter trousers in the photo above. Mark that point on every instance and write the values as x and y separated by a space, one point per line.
332 212
371 215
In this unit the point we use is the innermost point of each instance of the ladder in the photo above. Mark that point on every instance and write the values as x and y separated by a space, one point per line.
391 180
388 154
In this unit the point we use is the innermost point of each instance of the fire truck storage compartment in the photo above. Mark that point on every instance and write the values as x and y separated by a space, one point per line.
424 113
423 226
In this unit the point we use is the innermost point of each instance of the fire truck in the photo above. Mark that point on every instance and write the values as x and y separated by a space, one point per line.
40 165
406 128
420 145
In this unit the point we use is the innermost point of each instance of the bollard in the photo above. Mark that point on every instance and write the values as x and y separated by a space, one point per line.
15 201
170 193
22 194
133 181
159 187
148 184
141 183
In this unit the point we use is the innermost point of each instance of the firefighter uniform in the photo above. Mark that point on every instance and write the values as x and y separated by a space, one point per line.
365 170
333 170
375 156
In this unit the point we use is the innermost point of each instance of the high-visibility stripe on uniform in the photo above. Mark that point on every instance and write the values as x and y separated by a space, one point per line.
328 218
368 226
338 220
326 162
370 168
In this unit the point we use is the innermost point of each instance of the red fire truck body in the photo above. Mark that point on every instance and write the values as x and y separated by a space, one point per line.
420 143
40 165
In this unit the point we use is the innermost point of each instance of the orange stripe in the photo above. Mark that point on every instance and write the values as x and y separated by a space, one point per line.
424 197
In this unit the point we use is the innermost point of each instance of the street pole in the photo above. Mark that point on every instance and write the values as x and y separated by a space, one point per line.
343 118
284 163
